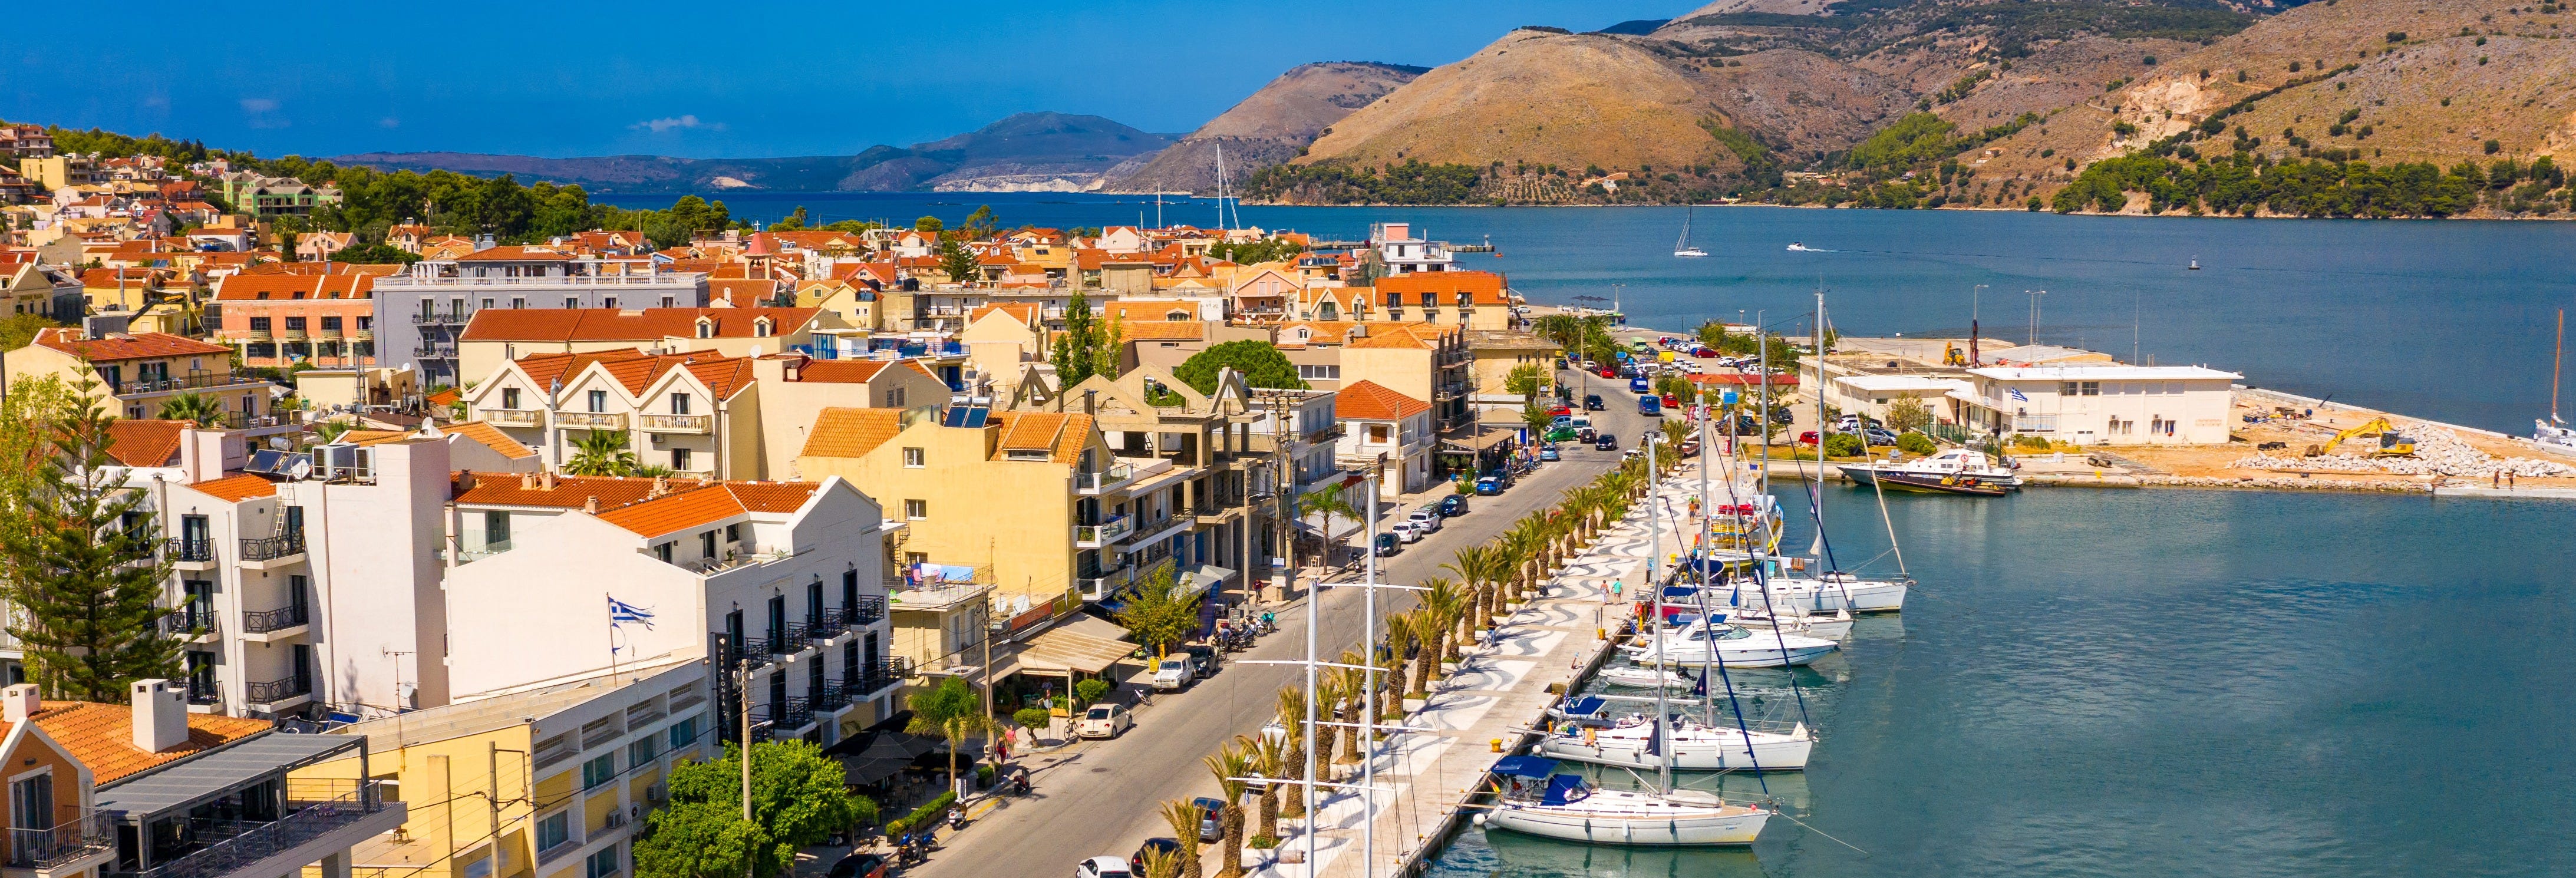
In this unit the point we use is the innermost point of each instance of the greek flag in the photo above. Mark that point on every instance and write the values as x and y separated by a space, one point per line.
621 612
2017 394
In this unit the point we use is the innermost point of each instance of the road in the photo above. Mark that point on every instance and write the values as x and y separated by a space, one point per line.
1102 798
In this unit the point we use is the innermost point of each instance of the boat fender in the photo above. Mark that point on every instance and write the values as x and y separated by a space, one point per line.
1480 819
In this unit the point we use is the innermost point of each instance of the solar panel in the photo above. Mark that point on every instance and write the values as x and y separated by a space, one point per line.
965 416
266 462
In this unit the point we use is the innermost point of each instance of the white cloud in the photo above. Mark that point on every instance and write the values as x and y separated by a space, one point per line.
669 123
259 105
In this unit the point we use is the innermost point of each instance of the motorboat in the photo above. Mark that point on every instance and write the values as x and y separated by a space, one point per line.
1950 471
2554 435
1693 745
1836 591
1795 247
1532 798
1700 641
1642 678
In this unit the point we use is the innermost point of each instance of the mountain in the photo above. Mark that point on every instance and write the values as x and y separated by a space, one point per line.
1027 151
1268 127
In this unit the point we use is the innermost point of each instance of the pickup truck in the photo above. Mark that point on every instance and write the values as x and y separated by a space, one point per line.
1172 673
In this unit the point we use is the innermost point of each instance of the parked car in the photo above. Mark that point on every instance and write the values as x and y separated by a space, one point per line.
1649 406
1387 544
1672 402
1489 486
1426 518
1202 660
1559 410
1157 845
1807 438
1453 505
860 866
1103 867
1103 721
1879 436
1690 447
1172 673
1505 473
1404 530
1548 452
1211 822
1592 403
1703 352
1606 442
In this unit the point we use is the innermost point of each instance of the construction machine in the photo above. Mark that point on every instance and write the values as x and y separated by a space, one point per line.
1950 356
2391 443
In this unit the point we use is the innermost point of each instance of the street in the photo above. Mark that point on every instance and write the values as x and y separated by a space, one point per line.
1102 797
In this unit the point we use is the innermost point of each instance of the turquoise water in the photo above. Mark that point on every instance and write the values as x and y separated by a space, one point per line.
2176 683
2447 320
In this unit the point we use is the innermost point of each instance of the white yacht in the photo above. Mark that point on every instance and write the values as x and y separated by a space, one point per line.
1694 745
1534 799
1698 642
1642 678
1951 471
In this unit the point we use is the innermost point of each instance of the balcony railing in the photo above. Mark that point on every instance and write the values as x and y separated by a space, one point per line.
190 381
205 692
1094 483
833 696
742 648
888 672
273 548
314 808
275 691
1105 532
514 417
280 619
459 315
592 420
667 279
189 548
793 713
870 610
677 423
783 641
94 832
426 349
182 621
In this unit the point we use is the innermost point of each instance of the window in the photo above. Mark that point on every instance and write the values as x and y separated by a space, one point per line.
642 751
684 733
554 831
1326 373
518 301
496 529
680 459
916 510
707 544
294 324
760 328
666 301
599 400
894 399
1378 432
2067 388
733 533
599 771
331 324
679 403
664 551
259 324
366 323
509 397
602 864
913 458
608 301
487 303
706 328
572 301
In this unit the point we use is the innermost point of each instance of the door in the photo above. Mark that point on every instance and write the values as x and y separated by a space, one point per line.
31 802
777 622
303 668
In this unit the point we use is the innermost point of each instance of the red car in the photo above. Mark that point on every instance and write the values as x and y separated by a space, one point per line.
1703 352
1807 438
1607 372
1672 402
1559 410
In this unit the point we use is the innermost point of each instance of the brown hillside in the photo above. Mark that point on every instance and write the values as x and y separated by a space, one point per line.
1269 126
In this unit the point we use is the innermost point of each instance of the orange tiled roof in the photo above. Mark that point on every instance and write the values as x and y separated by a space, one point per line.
610 324
1401 335
1370 401
1165 330
1062 435
681 511
251 287
569 492
144 442
444 397
101 736
637 370
841 371
492 437
124 346
234 489
851 432
1027 312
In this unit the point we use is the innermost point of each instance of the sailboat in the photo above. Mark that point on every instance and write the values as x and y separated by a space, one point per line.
1683 247
1534 799
2195 263
2554 434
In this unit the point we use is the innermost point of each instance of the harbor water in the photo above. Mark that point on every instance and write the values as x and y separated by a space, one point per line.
2170 683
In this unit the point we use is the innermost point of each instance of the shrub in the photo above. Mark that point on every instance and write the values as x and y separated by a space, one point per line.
1915 443
1032 718
928 813
1845 445
984 775
1090 690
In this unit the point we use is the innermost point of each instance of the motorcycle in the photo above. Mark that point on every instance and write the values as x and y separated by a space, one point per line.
956 819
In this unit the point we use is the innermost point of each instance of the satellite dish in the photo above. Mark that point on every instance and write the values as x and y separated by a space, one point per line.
301 468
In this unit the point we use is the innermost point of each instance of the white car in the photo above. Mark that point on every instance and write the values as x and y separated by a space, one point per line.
1405 531
1172 673
1102 867
1103 721
1424 519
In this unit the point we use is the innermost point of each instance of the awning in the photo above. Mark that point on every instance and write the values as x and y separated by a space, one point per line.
1205 578
1069 647
1479 442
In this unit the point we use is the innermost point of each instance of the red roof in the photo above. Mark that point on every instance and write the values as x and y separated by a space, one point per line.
1370 401
609 324
252 287
141 443
237 488
677 512
124 346
637 370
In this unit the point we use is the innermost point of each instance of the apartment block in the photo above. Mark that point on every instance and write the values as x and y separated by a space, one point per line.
426 307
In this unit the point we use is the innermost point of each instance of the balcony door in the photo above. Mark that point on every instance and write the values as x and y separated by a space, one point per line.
777 620
31 802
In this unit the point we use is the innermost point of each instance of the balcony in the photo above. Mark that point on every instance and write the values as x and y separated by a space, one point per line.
678 423
833 696
1093 536
791 639
870 610
514 417
191 381
68 847
591 420
292 333
1103 583
785 717
266 552
189 550
1105 481
316 811
657 279
1264 443
190 622
326 333
265 625
1164 528
278 692
458 315
874 680
205 693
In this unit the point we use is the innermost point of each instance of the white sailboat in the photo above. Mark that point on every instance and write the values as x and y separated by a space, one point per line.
1730 646
1693 745
2554 434
1683 247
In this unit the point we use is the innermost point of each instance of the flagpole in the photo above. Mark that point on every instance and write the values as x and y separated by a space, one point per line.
612 638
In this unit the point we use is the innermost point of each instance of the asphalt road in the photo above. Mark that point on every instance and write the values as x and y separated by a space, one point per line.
1101 798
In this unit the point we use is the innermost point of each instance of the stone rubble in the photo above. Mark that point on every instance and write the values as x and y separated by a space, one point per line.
2437 453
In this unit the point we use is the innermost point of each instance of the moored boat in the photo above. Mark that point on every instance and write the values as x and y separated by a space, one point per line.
1952 471
1534 799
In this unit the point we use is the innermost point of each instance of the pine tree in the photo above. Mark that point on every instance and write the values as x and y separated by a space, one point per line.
81 558
1087 346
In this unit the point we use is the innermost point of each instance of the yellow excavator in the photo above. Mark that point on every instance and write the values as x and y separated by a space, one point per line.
2391 443
1950 356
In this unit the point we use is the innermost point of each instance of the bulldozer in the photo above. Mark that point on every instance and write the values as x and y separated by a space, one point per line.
1950 356
2391 443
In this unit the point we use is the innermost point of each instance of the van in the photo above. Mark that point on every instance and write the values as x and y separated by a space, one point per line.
1650 406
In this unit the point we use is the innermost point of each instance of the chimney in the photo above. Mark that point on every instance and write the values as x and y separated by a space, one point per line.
590 504
160 716
546 480
527 481
464 481
661 486
21 702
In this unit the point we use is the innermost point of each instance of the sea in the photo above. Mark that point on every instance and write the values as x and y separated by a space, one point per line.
2140 683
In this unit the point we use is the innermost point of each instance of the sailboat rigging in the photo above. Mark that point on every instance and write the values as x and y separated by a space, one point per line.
1683 247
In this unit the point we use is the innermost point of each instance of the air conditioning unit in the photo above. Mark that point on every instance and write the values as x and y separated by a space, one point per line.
656 792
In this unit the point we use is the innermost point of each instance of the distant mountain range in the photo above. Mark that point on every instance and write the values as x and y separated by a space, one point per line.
1024 152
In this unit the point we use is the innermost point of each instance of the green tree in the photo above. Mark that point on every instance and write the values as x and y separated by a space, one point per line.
601 453
1161 612
798 798
1252 252
1908 413
80 549
1087 346
193 407
1259 362
952 711
1328 501
957 261
374 254
980 224
19 330
1713 335
928 224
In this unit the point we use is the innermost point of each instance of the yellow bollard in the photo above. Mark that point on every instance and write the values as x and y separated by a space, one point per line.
1496 744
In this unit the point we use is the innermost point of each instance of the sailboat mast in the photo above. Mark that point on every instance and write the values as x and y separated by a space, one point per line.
1655 619
1816 498
2557 361
1707 550
1368 683
1220 190
1762 345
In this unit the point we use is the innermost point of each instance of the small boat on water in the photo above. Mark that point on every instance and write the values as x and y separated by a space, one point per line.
1633 742
1834 625
2195 263
1683 248
1796 247
1532 798
1697 642
2554 434
1642 678
1951 471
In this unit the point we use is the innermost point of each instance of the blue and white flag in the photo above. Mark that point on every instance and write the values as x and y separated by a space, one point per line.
621 612
2017 394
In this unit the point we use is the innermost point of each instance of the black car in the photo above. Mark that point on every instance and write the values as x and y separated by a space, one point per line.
1453 505
1387 544
1136 861
1202 661
1505 475
1606 442
1592 403
860 866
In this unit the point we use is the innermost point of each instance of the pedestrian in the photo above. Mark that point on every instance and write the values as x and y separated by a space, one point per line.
2496 479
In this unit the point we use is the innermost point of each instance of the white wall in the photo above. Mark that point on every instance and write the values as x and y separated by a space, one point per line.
378 599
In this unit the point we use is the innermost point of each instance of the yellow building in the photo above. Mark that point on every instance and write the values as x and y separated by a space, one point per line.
1421 360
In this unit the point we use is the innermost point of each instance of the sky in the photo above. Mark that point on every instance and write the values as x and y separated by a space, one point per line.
701 79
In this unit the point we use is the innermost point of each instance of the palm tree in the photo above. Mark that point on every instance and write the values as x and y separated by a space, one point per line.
1269 756
1329 693
1229 763
1329 502
601 453
196 408
1165 864
1354 687
957 729
1184 818
1403 630
1292 716
1446 603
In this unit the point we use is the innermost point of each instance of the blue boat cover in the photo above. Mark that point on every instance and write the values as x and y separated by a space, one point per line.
1532 767
1682 593
1562 788
1589 705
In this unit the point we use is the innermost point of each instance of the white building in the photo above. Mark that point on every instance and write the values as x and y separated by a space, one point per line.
1402 252
1377 422
2105 404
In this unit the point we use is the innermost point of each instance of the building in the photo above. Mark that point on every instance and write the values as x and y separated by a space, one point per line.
278 320
564 579
321 246
32 288
1379 424
26 142
264 197
553 781
427 306
1477 300
696 413
1424 361
1397 250
142 371
1499 351
494 337
2103 404
795 390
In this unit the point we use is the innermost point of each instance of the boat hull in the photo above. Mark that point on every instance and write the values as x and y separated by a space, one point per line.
1683 826
1811 596
1932 483
1686 654
1721 750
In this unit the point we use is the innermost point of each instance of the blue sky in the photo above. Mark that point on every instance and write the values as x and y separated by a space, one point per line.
700 79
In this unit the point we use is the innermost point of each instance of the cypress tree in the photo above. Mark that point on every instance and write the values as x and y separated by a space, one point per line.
81 558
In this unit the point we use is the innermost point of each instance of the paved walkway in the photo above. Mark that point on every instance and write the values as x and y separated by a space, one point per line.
1497 694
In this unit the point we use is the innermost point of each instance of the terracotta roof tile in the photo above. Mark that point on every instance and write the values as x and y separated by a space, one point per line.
234 489
678 512
493 438
123 346
1165 330
569 492
851 432
1370 401
101 736
1062 435
145 443
284 286
609 324
841 371
1424 336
